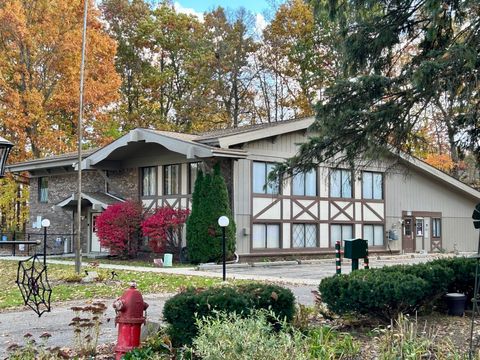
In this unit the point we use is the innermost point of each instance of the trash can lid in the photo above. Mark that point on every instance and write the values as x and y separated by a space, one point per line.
455 295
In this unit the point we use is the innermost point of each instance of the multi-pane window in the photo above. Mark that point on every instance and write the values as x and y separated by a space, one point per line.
372 185
305 183
149 181
171 179
304 235
436 227
340 232
192 175
43 189
341 183
373 234
266 236
261 185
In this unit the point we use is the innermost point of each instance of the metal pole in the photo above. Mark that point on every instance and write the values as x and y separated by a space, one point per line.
224 254
366 262
78 245
44 246
474 301
338 259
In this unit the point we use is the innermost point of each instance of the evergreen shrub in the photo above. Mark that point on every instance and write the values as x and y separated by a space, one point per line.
182 310
204 235
392 290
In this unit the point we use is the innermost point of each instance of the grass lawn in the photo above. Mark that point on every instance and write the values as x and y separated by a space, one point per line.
62 281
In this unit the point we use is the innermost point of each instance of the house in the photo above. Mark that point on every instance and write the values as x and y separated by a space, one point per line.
398 204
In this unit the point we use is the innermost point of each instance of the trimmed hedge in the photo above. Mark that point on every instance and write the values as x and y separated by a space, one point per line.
182 310
391 290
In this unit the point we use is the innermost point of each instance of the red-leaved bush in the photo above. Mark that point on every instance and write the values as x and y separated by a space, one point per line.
118 228
163 229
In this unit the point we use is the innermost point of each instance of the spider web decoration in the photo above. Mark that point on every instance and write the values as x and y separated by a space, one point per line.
32 280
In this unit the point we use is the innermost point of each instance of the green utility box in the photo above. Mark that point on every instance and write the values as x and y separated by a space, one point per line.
355 248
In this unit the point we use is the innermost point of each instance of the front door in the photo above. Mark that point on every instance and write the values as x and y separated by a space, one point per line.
94 242
408 239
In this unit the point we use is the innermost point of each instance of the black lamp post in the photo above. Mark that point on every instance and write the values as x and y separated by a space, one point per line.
223 223
5 147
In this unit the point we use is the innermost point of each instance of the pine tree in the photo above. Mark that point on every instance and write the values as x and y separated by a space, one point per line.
209 202
402 60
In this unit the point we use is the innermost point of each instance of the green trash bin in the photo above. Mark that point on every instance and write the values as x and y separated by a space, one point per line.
167 260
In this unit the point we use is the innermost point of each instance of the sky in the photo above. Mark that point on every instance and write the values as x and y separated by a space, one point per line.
255 6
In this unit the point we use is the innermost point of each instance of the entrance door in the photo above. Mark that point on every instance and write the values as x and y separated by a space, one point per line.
408 239
94 242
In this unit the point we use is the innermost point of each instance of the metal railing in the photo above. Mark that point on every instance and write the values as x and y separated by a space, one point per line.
25 243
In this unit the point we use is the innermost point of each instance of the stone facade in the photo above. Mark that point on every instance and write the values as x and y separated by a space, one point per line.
122 183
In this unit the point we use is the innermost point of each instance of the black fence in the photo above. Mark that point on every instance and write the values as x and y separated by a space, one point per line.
57 244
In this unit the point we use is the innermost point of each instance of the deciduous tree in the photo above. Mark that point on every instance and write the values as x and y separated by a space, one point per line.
40 42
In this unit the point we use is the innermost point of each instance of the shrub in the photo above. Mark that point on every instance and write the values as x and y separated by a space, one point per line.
399 289
209 202
163 229
118 228
181 310
383 294
233 337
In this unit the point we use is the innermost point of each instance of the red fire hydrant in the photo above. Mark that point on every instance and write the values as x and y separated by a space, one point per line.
130 309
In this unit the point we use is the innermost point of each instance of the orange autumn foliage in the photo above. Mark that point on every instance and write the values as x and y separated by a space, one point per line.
40 51
440 161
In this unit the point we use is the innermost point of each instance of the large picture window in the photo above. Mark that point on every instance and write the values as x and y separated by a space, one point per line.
373 234
260 178
372 185
305 184
171 179
304 235
341 183
266 236
192 175
340 232
436 227
43 190
149 181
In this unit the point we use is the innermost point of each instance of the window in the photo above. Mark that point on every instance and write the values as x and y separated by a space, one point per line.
149 181
341 183
419 226
171 179
304 236
340 232
373 234
305 184
436 227
43 189
266 236
192 175
260 178
372 184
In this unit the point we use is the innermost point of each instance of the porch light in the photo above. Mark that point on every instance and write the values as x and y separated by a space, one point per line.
5 147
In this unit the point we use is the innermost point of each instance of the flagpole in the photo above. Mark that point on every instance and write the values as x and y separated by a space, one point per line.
78 242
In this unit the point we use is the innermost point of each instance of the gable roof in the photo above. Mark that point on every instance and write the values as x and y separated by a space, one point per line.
177 142
234 136
217 143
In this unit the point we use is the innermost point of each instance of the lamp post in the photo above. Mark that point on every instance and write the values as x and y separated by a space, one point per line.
223 223
5 147
45 225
